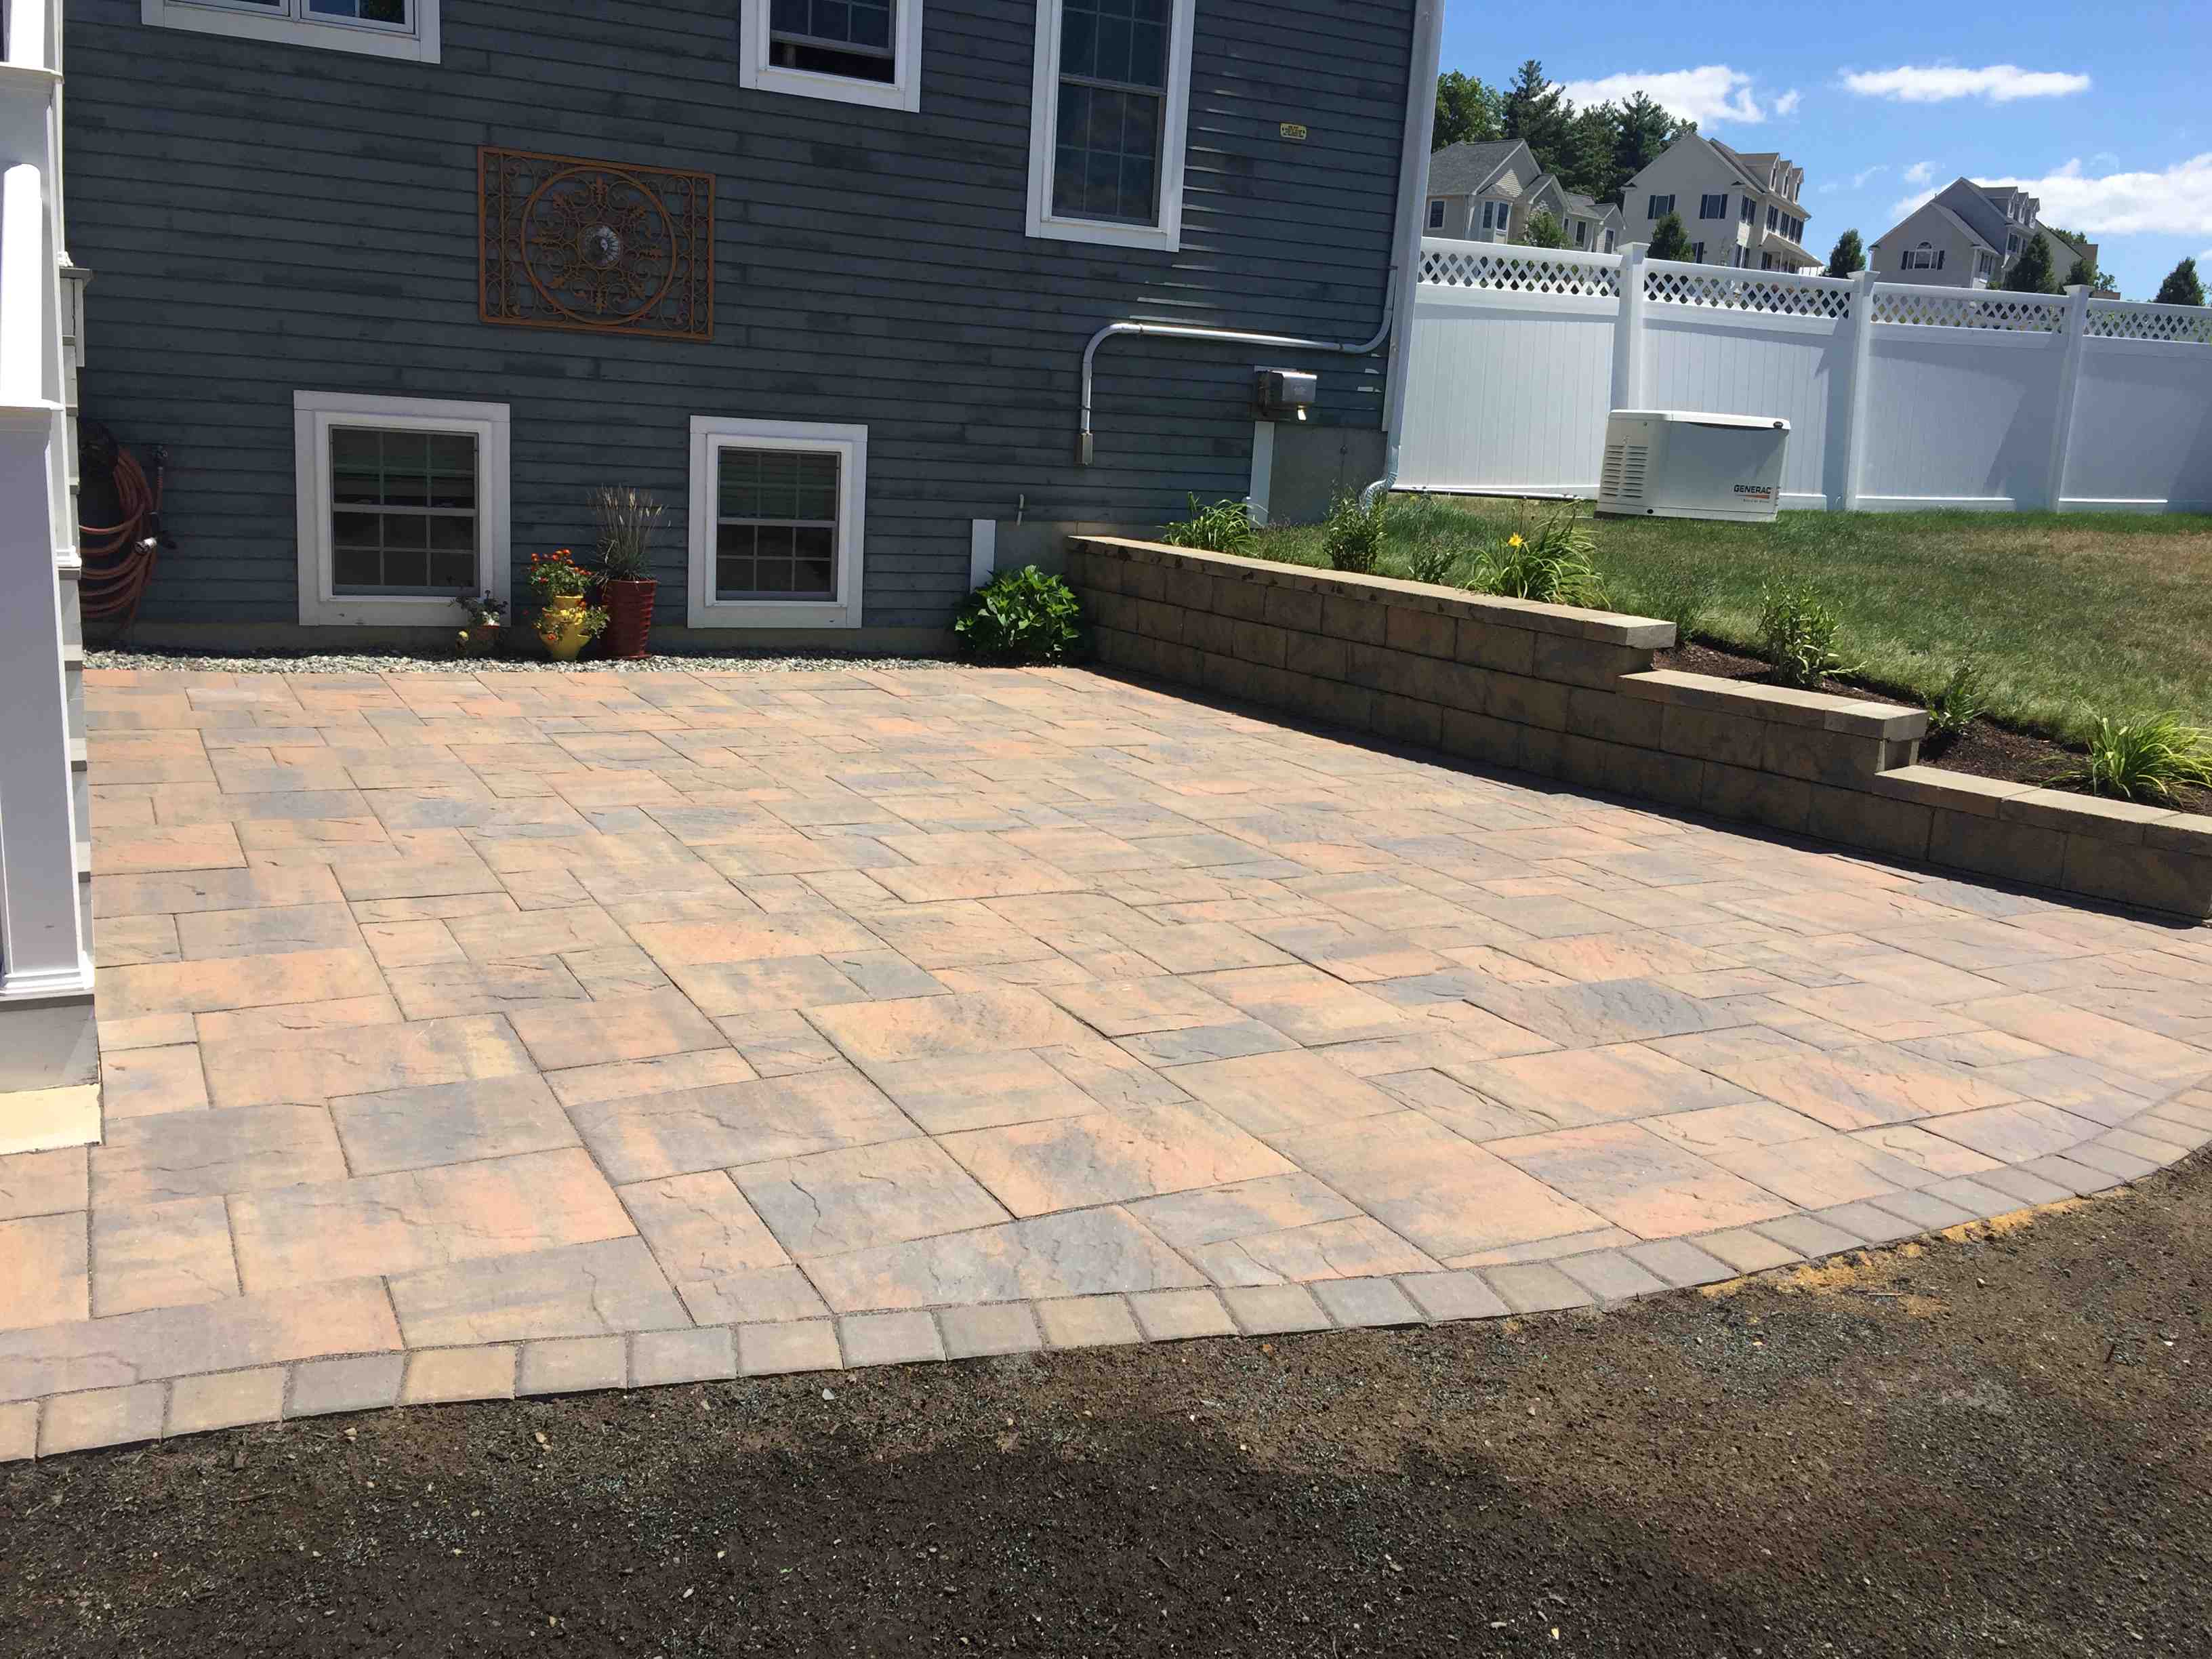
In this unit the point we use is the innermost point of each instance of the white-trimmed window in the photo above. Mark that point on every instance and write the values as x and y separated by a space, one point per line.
382 28
778 513
851 52
1437 214
1659 207
1497 217
403 507
1109 110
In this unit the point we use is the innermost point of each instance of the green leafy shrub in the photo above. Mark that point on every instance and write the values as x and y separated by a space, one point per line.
1547 559
2154 758
1353 537
1020 617
1224 527
1433 563
1797 634
1959 703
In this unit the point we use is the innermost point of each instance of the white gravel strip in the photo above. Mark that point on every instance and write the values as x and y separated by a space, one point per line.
396 662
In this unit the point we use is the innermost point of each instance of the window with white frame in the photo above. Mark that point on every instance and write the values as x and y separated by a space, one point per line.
1609 240
1750 214
1660 207
1697 253
1110 111
382 28
1926 257
778 522
851 52
402 506
1497 217
1435 216
1582 233
1713 207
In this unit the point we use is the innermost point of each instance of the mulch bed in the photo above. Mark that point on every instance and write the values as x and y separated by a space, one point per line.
1984 747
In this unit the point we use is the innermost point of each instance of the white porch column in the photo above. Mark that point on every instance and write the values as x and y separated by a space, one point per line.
49 1050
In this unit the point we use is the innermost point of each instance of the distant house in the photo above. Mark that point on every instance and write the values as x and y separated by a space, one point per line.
1968 235
1489 191
1740 208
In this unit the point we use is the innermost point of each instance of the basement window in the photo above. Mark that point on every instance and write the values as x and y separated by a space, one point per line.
401 507
381 29
1109 114
777 523
849 51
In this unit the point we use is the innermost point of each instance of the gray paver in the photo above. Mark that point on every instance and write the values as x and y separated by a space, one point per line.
999 1327
1536 1288
696 1355
893 1339
1364 1302
571 1365
1810 1236
1611 1275
323 1386
1746 1251
1873 1225
1274 1310
1087 1322
1170 1315
1453 1296
798 1345
1680 1262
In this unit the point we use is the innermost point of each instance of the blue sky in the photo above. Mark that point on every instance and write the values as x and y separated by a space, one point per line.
2105 111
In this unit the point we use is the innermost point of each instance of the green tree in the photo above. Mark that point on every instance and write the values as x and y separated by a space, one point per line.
1538 113
2181 286
1585 162
1641 128
2031 272
1670 240
1544 231
1468 112
1848 256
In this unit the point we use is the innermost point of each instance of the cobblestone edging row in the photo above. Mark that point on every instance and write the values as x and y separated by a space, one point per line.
1571 694
323 1386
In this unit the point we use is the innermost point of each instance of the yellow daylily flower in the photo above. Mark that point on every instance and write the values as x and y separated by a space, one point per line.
1513 541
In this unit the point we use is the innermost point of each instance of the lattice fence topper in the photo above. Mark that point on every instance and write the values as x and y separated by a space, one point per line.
1935 307
2111 320
564 242
1725 288
1517 271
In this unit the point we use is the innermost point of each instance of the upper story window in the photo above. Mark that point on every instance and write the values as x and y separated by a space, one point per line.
850 51
1435 216
1660 207
1774 218
1926 257
1750 211
381 29
1713 207
1108 113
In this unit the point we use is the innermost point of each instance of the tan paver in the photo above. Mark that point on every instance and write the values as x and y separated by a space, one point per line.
673 1028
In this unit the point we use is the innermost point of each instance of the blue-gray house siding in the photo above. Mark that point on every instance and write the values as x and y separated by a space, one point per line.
262 218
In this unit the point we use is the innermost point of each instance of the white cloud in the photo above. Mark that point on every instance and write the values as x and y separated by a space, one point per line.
1711 95
1859 179
2175 201
1919 173
1788 102
1912 204
2000 83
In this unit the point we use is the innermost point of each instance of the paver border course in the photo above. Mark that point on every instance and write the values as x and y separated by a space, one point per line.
1571 694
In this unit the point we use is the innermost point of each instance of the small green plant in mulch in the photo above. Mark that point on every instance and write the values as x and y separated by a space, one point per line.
2156 758
1020 617
1959 703
1797 631
1547 558
1433 564
1353 535
1224 527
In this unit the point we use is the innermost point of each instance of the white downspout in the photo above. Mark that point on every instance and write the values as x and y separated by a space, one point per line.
1406 271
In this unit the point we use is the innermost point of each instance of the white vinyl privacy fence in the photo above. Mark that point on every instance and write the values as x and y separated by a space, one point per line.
1898 396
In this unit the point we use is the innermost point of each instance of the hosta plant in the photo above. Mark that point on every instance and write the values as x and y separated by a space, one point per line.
1020 617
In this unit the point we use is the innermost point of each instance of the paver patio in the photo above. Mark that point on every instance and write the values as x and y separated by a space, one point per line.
529 1032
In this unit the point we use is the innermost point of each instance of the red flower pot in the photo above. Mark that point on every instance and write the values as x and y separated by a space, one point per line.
630 617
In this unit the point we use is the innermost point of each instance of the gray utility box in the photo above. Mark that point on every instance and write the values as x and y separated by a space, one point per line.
1284 394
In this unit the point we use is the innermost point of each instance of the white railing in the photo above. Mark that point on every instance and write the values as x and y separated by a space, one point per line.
2127 320
1500 268
1769 293
1897 396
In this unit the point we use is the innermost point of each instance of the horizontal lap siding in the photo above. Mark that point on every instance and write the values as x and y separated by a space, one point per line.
262 218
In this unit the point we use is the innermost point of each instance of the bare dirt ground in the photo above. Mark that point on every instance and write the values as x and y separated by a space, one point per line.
1995 1443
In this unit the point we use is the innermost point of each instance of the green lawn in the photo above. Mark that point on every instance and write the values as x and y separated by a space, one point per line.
2070 615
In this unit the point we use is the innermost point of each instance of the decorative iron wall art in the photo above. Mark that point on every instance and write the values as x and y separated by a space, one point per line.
569 243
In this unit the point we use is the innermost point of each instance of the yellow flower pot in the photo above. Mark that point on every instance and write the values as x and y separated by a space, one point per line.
561 626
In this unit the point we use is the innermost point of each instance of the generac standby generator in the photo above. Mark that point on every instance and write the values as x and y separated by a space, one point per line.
1676 464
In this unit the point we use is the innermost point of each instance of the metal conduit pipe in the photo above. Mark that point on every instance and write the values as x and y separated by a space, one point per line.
1227 335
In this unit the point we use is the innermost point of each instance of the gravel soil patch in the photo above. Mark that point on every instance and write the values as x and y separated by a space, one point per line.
1992 1442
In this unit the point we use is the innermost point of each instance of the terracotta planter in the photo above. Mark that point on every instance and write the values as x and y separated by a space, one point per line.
561 626
630 616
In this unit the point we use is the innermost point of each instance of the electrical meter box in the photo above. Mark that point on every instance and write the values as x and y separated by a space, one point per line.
1284 394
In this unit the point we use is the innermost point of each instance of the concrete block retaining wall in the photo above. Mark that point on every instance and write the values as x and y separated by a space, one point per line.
1571 694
